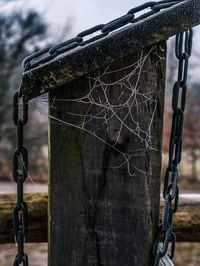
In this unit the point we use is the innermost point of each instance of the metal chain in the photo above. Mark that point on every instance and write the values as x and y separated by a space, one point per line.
183 51
51 52
171 192
20 155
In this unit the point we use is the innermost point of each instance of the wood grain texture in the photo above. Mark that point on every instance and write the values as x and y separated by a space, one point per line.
37 217
99 215
80 62
186 220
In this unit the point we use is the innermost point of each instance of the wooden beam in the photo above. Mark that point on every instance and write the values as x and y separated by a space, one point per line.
186 220
37 217
82 61
100 168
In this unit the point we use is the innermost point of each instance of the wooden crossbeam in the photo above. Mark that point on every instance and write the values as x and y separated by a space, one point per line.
80 62
186 220
37 217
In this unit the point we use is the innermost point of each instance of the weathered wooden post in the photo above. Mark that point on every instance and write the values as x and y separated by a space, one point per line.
105 173
106 104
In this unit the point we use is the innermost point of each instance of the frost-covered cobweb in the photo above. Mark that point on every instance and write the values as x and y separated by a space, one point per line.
115 112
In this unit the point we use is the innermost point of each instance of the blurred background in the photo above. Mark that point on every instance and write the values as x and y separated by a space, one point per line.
29 25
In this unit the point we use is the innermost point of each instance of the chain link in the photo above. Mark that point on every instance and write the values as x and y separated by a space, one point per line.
20 155
51 52
183 51
171 192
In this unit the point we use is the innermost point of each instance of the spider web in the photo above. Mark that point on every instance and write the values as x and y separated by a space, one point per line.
123 111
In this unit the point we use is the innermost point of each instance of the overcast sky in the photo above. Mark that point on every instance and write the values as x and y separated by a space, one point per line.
83 14
86 13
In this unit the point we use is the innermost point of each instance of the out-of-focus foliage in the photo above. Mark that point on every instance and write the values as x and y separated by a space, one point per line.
191 128
191 131
20 34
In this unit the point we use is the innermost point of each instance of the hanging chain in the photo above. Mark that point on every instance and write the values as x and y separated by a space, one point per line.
20 214
183 51
51 52
171 192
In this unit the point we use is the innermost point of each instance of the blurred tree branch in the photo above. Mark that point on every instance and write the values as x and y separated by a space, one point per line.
20 34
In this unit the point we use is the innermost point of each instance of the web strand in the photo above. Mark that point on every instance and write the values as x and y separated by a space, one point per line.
124 111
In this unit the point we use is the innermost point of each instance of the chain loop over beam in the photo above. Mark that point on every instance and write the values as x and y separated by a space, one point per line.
49 53
171 191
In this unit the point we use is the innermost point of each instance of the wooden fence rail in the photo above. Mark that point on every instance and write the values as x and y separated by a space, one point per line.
75 64
186 220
